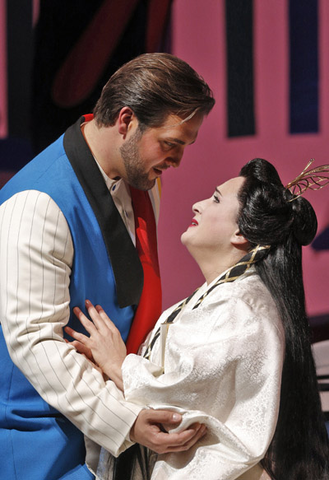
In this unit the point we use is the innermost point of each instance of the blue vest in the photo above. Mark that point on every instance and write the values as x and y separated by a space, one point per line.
36 441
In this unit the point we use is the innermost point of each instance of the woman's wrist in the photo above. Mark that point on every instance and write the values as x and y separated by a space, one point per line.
114 373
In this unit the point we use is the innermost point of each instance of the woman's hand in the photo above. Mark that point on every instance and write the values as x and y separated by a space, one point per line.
105 342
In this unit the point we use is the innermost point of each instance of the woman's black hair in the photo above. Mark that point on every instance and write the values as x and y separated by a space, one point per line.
271 215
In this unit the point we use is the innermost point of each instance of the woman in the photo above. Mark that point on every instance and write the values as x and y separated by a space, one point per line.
236 354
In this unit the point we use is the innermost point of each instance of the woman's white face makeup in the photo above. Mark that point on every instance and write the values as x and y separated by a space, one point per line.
215 219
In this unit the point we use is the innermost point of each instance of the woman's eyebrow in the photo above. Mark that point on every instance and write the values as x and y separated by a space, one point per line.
218 191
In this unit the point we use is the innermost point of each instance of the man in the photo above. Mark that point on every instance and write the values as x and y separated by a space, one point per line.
78 222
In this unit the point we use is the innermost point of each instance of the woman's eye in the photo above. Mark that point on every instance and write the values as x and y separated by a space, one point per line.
216 198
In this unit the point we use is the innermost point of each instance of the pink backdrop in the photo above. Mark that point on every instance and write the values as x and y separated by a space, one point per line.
199 38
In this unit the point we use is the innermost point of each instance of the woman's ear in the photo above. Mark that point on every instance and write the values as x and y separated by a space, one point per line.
125 120
239 241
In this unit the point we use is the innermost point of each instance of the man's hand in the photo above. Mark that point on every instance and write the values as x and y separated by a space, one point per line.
148 431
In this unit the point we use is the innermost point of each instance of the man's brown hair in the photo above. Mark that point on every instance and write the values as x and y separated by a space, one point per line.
154 85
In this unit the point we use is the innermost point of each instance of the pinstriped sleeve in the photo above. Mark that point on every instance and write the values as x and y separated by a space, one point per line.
36 254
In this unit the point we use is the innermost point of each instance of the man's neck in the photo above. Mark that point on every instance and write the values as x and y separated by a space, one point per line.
102 144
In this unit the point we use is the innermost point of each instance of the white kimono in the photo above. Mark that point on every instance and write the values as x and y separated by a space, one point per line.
219 364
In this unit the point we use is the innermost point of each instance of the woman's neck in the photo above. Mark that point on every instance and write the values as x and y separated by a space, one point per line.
212 267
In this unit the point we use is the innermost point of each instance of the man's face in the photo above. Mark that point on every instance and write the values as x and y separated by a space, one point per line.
147 154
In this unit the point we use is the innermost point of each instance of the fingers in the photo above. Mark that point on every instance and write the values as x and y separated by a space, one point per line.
99 318
147 431
161 442
89 326
101 321
94 315
171 419
78 345
107 321
80 337
179 442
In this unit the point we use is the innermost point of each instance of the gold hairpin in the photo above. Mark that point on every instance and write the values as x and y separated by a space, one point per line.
314 179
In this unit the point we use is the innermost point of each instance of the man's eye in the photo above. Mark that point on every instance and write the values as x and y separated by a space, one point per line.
169 144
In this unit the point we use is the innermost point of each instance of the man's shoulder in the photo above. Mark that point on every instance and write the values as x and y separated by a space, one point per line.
50 167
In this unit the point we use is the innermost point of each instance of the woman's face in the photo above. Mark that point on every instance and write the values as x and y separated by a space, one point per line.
215 220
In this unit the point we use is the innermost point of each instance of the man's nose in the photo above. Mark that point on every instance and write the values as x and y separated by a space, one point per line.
175 159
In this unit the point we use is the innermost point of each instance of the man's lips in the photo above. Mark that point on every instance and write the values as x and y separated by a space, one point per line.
158 170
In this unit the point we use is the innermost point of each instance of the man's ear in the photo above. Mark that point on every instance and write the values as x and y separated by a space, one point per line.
239 241
125 120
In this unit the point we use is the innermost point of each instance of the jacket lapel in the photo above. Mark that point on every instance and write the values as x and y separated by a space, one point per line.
126 265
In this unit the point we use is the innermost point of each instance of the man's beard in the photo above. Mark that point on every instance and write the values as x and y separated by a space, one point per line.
134 165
